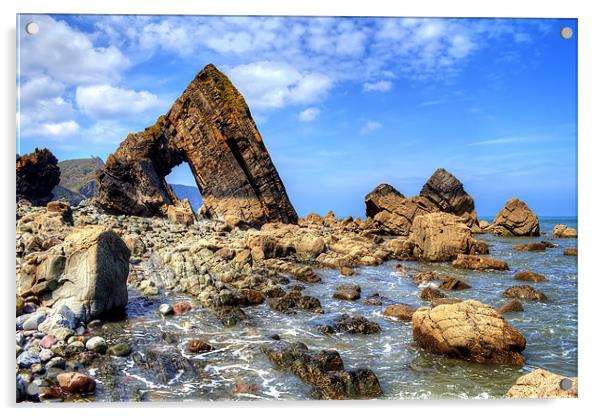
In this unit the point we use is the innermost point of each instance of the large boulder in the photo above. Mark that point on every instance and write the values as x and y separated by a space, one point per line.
515 219
87 273
562 231
542 384
448 193
37 174
469 330
210 127
393 212
440 236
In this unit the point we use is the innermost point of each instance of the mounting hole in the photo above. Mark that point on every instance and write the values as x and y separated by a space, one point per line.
566 384
566 32
32 28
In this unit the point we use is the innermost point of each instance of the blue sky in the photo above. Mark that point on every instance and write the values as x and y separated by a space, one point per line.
343 104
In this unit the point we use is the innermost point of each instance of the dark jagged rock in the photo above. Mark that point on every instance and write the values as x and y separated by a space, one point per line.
351 325
448 193
210 127
325 371
37 175
295 300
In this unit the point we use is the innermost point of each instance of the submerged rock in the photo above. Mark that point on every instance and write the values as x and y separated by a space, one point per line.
570 251
429 293
536 246
542 384
479 263
510 306
347 292
451 283
469 330
352 325
324 370
400 311
197 345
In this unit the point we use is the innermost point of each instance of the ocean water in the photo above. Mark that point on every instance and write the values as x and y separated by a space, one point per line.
405 371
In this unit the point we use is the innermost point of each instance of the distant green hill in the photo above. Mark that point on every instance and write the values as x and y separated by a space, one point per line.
78 179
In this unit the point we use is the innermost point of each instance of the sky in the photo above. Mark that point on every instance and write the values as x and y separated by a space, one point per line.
342 104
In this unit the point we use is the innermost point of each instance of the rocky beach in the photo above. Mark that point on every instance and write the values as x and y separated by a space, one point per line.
131 295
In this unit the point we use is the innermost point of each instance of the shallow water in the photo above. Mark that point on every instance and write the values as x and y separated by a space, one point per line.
404 370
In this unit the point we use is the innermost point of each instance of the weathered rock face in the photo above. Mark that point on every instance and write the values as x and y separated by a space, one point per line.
210 127
468 330
448 193
525 292
562 231
393 211
440 236
471 262
37 174
542 384
87 273
515 219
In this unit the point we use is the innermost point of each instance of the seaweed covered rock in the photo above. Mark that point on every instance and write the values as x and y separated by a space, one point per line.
37 174
324 371
468 330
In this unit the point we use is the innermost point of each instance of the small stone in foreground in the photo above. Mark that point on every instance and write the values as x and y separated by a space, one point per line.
76 383
542 384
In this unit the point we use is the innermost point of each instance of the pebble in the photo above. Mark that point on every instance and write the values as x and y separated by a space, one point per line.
150 291
119 350
165 309
48 341
27 359
33 320
56 362
46 355
97 344
97 323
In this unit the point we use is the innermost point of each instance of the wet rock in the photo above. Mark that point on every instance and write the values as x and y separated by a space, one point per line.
150 291
542 384
400 311
33 321
429 293
181 308
525 292
166 309
135 244
451 283
230 316
570 251
48 341
423 277
210 127
28 359
448 193
347 292
515 219
562 231
56 362
119 350
471 262
439 236
534 246
510 306
529 276
37 174
72 382
97 344
444 301
352 325
324 371
20 305
165 365
346 271
295 300
196 346
469 330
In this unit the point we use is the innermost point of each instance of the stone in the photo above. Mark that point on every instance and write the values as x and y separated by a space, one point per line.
468 330
28 358
166 309
439 236
352 325
401 312
34 320
515 219
347 292
346 271
510 306
429 293
394 212
472 262
524 292
451 283
295 300
535 246
56 362
570 251
562 231
62 208
48 341
37 174
181 213
20 305
444 301
119 350
309 245
196 346
97 344
45 355
73 382
542 384
209 127
528 276
135 244
448 193
181 308
150 291
325 371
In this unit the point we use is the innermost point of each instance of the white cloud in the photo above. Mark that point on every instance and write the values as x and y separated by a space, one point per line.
57 131
268 84
502 140
106 132
370 127
67 55
309 114
106 101
381 86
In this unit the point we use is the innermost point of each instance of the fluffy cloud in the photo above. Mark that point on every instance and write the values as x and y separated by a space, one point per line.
309 114
370 127
268 84
380 86
106 101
